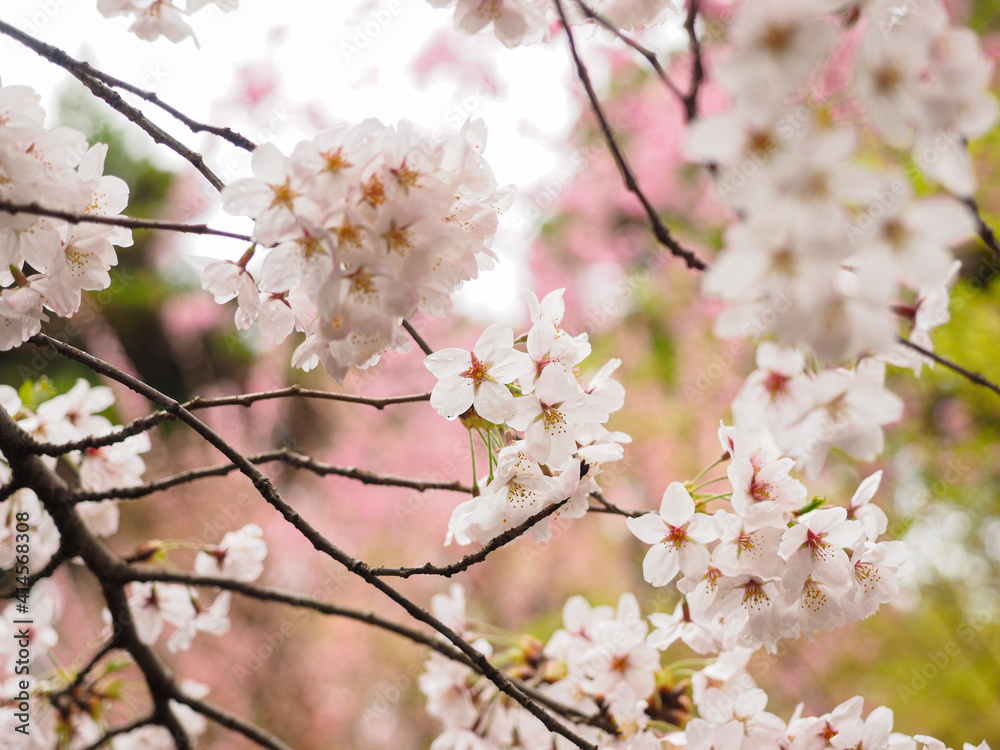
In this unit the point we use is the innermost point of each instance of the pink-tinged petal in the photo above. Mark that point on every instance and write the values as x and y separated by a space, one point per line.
494 402
507 365
649 528
526 409
556 384
866 490
452 396
448 362
677 507
702 529
496 338
269 164
660 565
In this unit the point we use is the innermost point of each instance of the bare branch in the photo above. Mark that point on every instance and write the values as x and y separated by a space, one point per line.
608 507
238 140
57 559
972 377
112 98
230 721
118 731
984 230
469 560
647 53
660 230
697 63
149 421
267 491
285 456
268 594
263 593
117 221
424 347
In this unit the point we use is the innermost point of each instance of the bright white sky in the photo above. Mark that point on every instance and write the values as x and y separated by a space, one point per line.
372 77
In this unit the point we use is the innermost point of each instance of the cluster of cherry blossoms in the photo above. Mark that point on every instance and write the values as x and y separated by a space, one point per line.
523 21
152 19
239 556
65 418
606 664
46 263
369 225
831 255
563 441
774 564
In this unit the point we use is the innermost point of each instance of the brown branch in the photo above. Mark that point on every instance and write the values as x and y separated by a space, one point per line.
77 540
660 230
984 230
112 98
697 63
972 377
118 731
267 491
267 594
230 721
57 559
142 424
116 221
284 455
424 347
609 507
647 53
228 134
471 559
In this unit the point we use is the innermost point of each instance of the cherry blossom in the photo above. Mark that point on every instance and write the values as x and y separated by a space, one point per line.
478 378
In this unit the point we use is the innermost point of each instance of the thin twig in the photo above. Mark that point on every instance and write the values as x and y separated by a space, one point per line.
471 559
106 648
291 598
647 53
424 347
660 230
57 559
231 721
319 542
117 221
268 594
142 424
984 230
228 134
697 63
117 731
285 456
609 507
112 98
973 377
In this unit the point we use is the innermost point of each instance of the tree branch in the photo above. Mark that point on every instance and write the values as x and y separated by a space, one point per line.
112 98
238 140
984 230
471 559
318 541
149 421
973 377
660 230
230 721
424 347
284 455
117 221
697 63
647 53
